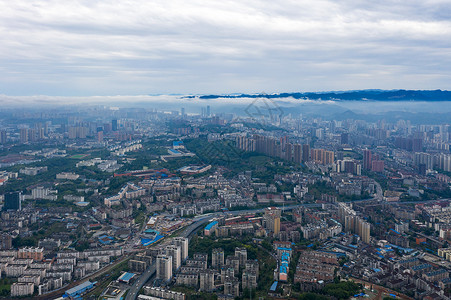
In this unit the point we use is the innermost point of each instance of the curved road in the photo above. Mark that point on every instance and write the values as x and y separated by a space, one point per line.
139 283
199 221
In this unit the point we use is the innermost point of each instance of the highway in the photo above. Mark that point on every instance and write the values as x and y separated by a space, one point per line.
59 292
201 220
150 272
198 222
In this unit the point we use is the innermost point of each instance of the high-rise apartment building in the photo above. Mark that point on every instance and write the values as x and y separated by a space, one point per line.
297 157
3 137
241 253
23 135
115 125
367 159
364 231
183 244
12 201
175 252
272 219
305 153
207 281
217 258
377 166
344 138
322 156
353 223
164 267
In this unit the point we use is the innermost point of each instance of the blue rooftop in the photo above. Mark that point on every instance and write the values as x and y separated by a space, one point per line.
210 226
273 287
79 289
126 276
174 151
421 267
147 242
395 231
285 256
283 269
338 254
106 240
284 248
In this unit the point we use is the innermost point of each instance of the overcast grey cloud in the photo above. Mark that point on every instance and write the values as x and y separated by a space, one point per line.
78 48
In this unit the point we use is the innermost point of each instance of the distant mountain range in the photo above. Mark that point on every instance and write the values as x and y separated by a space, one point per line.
359 95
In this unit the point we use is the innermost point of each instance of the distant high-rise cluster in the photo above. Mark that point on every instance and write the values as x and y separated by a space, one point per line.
206 112
350 166
322 156
409 144
427 161
372 161
297 153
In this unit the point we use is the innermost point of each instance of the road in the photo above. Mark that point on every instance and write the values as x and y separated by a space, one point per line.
198 222
150 272
57 293
431 238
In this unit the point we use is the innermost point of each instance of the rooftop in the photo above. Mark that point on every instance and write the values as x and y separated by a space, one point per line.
80 287
210 226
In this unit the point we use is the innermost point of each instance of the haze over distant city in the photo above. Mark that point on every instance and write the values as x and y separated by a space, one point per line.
87 48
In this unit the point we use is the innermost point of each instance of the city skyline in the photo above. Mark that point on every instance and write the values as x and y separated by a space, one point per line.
205 150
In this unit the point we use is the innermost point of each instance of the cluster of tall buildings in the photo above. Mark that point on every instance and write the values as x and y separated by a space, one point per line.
427 161
322 156
283 149
372 161
170 258
74 129
409 144
32 134
348 166
354 223
205 111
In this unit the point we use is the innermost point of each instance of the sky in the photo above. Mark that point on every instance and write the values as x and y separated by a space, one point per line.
145 47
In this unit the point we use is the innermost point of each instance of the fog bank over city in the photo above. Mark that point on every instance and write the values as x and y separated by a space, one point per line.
427 111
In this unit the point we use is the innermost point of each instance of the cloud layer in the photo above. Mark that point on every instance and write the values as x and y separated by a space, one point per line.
79 48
